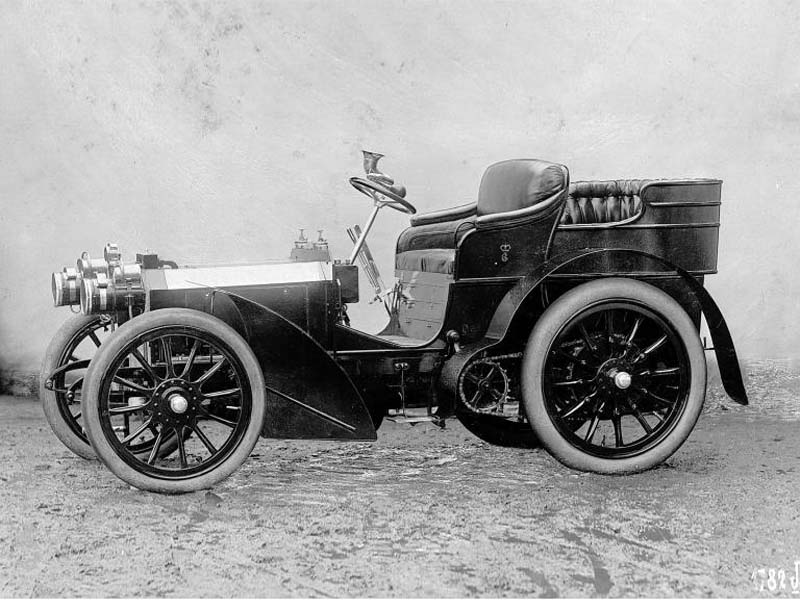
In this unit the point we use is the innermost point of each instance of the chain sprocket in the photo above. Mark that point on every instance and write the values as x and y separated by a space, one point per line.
484 386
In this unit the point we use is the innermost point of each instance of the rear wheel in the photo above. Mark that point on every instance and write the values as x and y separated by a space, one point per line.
613 376
181 374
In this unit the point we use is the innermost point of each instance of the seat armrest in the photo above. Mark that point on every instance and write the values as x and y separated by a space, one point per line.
446 214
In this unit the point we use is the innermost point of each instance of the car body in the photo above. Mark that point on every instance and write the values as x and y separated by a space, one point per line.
545 312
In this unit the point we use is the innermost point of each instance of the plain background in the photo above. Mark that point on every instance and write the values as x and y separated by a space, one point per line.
211 131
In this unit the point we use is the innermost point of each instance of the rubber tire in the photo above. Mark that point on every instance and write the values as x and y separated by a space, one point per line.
52 357
498 431
126 334
547 329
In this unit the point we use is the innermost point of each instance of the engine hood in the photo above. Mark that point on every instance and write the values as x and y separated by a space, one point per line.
236 275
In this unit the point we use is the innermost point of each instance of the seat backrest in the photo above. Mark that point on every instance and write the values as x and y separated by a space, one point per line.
600 202
518 189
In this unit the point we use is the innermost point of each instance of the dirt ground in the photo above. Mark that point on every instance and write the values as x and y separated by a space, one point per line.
421 512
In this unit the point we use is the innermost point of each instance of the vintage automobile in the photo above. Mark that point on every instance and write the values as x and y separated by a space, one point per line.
546 313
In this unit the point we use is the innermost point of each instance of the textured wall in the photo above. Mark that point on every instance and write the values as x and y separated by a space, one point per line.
210 131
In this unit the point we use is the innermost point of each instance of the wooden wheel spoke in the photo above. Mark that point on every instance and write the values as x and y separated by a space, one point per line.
181 447
571 358
570 383
206 442
617 422
576 407
166 346
145 365
592 428
190 359
661 372
636 324
588 339
121 410
642 421
130 384
156 447
214 417
651 348
655 397
208 374
128 439
94 338
223 394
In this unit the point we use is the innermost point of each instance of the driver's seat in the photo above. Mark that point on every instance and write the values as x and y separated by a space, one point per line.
512 192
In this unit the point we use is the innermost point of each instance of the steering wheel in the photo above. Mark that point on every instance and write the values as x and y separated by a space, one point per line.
374 189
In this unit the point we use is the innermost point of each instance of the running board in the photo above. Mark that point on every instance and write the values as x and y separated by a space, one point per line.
414 419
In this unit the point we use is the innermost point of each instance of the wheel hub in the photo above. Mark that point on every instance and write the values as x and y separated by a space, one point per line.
614 374
622 379
178 403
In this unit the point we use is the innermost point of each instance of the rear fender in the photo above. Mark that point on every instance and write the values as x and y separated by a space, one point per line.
720 334
309 395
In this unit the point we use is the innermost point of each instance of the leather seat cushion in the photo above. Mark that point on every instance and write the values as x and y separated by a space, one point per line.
431 260
439 234
603 201
453 213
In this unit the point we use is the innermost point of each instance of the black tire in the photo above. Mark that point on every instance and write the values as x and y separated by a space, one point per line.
62 405
620 355
498 431
175 403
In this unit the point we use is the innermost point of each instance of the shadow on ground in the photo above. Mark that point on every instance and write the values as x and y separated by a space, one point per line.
421 512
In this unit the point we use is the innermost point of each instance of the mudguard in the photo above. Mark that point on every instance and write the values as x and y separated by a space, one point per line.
720 334
309 395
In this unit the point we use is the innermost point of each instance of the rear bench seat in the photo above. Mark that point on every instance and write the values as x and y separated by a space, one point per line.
603 201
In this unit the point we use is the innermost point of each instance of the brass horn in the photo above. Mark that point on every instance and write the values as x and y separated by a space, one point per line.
371 168
374 174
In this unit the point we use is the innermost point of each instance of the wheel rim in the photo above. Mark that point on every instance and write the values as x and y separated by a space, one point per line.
616 379
68 384
175 381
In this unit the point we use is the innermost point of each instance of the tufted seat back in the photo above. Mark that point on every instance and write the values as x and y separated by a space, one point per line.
603 201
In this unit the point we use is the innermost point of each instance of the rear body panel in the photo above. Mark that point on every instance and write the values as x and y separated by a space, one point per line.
679 222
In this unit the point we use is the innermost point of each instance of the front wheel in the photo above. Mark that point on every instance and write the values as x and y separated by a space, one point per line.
613 376
174 374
